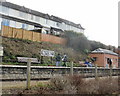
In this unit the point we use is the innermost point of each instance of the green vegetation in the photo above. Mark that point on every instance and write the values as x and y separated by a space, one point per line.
13 63
41 84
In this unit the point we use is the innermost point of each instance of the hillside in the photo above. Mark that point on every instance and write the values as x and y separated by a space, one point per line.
26 48
77 48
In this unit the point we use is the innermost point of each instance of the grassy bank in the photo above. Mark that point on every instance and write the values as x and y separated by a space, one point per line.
14 48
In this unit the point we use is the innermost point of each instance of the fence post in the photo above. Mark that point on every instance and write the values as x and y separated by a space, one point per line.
119 82
110 71
71 69
1 54
96 73
28 73
22 33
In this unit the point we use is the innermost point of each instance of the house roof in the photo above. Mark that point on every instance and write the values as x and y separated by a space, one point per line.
104 51
24 9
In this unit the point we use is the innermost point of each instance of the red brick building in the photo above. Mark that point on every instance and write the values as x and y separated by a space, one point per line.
102 55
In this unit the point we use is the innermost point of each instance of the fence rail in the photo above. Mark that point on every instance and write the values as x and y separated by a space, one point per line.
40 72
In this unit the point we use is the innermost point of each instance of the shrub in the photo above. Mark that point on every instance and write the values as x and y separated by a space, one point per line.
67 84
101 86
62 84
88 87
77 85
107 86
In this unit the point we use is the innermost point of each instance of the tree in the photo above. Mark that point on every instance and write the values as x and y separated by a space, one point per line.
77 41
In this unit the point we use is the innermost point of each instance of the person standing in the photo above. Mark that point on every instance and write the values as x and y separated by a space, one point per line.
58 60
86 62
64 59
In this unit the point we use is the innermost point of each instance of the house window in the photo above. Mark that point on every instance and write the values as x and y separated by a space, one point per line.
57 24
37 19
18 25
42 21
5 22
94 59
12 23
30 27
21 14
0 8
46 21
0 23
47 32
31 17
25 26
14 13
5 10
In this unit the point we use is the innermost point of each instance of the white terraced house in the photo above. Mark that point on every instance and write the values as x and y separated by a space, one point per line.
16 16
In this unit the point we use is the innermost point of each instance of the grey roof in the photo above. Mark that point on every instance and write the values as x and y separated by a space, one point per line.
105 51
24 9
47 16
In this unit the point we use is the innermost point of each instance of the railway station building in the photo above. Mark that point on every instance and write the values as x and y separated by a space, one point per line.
102 55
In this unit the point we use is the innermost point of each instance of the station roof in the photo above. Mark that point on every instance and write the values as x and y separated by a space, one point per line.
104 51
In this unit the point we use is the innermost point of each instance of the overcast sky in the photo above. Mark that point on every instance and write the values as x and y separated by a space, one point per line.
98 17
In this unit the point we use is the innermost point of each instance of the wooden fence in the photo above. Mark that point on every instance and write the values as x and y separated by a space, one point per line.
30 35
16 72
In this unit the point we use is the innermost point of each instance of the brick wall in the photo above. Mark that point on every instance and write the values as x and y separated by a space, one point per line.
102 59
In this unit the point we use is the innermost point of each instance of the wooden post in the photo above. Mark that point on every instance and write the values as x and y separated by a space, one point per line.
110 71
118 82
71 69
39 37
22 33
51 60
1 34
28 73
96 74
42 62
